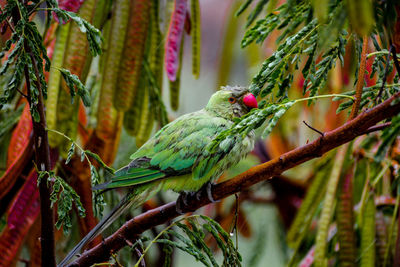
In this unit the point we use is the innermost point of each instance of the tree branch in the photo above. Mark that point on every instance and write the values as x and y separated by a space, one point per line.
42 159
341 135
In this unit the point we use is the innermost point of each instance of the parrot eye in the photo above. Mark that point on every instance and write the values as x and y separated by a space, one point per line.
232 100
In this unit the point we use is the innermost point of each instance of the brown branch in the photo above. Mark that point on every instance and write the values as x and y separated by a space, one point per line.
42 159
262 172
360 79
378 127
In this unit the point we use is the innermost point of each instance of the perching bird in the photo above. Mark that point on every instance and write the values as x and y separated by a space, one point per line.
176 157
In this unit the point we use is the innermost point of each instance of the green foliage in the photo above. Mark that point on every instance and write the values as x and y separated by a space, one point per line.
389 135
278 63
303 42
256 11
73 82
93 34
64 195
190 238
26 53
317 75
98 199
29 52
277 20
253 120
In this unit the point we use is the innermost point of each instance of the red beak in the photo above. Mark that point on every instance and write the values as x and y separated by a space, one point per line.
250 101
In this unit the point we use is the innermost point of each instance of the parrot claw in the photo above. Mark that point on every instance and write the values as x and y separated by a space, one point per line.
182 202
208 187
183 199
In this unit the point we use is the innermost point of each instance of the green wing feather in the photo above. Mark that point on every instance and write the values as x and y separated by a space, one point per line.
135 177
173 151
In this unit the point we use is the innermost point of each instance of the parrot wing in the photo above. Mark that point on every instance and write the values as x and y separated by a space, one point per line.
173 151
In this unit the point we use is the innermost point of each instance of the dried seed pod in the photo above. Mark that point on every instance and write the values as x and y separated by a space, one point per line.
174 86
345 222
196 36
174 38
361 16
132 117
132 55
106 112
368 234
146 120
54 82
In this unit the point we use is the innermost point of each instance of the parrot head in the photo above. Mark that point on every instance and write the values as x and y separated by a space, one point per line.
231 102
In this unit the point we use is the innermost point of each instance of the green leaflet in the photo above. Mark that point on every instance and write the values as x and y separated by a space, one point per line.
389 135
93 35
243 7
273 66
191 239
73 82
253 120
257 10
274 120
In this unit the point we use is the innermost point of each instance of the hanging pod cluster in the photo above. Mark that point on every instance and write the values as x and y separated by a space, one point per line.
132 94
134 71
71 52
127 82
133 39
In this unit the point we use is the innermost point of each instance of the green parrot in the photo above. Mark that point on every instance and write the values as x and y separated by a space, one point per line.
176 157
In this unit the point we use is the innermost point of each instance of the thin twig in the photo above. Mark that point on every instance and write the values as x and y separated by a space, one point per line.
378 127
396 62
24 95
140 254
8 22
378 98
312 128
35 7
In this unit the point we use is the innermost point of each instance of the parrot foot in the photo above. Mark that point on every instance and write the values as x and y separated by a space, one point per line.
182 201
206 189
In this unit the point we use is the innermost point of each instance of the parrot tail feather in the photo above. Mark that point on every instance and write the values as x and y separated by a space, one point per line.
101 186
124 204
